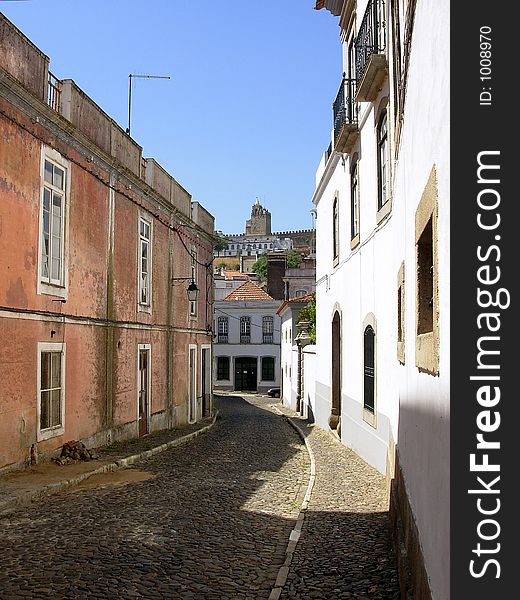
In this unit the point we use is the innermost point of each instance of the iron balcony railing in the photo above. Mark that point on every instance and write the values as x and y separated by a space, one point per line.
344 107
267 338
245 338
223 338
371 38
53 92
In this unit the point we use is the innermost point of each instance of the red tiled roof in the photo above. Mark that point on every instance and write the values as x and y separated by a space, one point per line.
249 290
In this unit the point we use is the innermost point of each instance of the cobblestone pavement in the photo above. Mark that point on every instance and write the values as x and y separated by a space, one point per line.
208 520
344 551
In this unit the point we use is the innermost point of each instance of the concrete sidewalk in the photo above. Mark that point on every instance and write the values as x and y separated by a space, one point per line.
20 488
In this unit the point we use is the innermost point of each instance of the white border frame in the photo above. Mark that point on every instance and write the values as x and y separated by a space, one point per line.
192 415
143 216
42 287
51 432
149 386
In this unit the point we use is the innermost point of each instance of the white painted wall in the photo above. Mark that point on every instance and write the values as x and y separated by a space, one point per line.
424 421
411 405
256 310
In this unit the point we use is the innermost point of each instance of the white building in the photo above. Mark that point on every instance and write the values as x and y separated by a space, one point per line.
383 322
247 343
291 358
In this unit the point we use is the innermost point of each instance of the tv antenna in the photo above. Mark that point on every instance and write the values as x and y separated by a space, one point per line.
130 77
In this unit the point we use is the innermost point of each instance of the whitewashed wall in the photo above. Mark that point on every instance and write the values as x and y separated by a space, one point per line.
424 420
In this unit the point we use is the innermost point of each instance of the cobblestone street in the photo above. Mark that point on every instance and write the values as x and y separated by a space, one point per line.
210 519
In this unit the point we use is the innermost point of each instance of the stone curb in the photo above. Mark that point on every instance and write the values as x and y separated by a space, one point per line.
295 534
51 488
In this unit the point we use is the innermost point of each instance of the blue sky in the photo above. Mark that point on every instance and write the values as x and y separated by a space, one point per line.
247 112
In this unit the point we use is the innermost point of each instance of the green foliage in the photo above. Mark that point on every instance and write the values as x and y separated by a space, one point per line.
260 267
219 242
308 313
294 259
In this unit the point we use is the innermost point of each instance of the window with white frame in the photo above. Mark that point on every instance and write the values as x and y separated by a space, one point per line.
267 330
223 329
382 161
335 230
53 215
145 261
268 368
51 388
223 368
354 202
245 330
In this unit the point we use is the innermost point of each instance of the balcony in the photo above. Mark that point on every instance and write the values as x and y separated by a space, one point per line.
53 92
222 338
346 129
370 45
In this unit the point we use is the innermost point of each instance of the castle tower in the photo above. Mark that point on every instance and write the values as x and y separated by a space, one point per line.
260 222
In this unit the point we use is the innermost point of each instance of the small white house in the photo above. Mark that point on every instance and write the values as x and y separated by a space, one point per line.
246 349
291 353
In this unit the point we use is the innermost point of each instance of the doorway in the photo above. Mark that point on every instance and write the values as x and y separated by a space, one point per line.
206 380
245 374
192 403
335 417
143 388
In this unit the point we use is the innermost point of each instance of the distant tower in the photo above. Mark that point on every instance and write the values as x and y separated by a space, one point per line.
260 222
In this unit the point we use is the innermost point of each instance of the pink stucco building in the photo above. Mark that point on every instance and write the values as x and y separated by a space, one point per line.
97 248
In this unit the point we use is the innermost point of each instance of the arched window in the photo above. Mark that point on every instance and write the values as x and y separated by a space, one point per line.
369 369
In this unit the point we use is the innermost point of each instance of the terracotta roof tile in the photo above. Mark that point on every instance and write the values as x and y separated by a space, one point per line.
249 290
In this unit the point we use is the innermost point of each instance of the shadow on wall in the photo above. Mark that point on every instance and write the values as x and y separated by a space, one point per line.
422 460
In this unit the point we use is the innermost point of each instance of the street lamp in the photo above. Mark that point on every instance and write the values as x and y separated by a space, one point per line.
192 290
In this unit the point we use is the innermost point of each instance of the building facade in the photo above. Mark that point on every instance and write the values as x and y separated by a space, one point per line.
382 289
98 246
247 340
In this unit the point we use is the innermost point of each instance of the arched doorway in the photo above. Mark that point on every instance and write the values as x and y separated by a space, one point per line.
335 414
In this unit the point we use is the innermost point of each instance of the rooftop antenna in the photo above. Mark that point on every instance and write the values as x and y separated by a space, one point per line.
130 77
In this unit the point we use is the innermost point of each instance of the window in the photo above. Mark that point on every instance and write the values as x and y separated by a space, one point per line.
425 279
382 161
267 330
223 328
400 315
145 261
369 370
53 223
51 376
427 304
354 204
300 293
335 231
223 368
245 330
193 305
267 368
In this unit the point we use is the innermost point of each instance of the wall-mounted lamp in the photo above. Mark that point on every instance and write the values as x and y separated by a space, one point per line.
192 290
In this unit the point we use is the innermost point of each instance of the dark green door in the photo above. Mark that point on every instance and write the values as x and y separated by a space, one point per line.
245 374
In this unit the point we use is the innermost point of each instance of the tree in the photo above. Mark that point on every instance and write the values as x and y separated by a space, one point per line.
308 313
294 259
260 267
219 242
